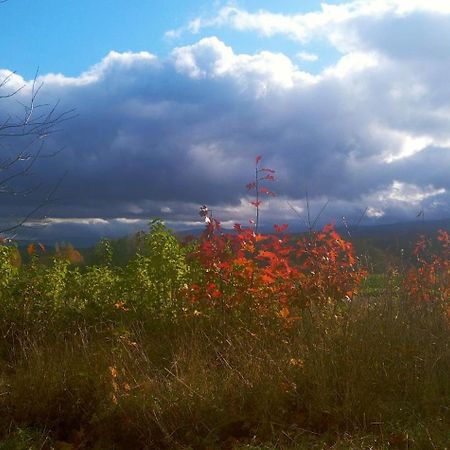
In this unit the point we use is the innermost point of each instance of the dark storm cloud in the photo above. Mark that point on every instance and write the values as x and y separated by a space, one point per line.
160 137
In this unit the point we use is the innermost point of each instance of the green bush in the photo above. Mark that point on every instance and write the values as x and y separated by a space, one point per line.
158 272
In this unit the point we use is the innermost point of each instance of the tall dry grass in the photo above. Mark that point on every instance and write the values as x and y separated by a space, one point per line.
370 373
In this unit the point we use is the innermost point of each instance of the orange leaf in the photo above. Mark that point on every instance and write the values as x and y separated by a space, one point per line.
265 278
284 313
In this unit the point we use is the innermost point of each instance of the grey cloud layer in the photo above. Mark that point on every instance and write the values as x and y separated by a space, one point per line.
167 135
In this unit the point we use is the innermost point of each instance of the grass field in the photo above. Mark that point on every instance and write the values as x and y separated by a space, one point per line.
110 358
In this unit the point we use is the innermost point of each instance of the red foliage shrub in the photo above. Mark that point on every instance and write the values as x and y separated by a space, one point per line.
273 272
429 280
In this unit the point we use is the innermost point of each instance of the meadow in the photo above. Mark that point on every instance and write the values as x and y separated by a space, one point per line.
231 340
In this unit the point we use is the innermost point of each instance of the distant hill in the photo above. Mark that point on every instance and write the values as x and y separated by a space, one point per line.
410 228
380 245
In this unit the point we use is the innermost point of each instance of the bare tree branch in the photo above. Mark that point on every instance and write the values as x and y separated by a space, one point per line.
44 202
22 143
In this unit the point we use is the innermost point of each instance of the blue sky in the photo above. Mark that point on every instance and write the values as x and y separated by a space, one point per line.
70 36
347 99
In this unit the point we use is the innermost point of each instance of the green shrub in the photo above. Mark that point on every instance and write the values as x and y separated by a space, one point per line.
156 274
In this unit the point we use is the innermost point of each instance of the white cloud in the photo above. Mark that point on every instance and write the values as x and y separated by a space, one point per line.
73 220
351 64
333 22
374 212
306 56
113 61
408 193
208 57
211 58
410 145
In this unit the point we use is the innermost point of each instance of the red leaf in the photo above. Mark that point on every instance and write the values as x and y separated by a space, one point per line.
267 279
267 254
264 190
258 159
280 228
256 203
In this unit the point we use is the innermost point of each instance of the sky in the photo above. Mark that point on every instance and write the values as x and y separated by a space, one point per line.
347 100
